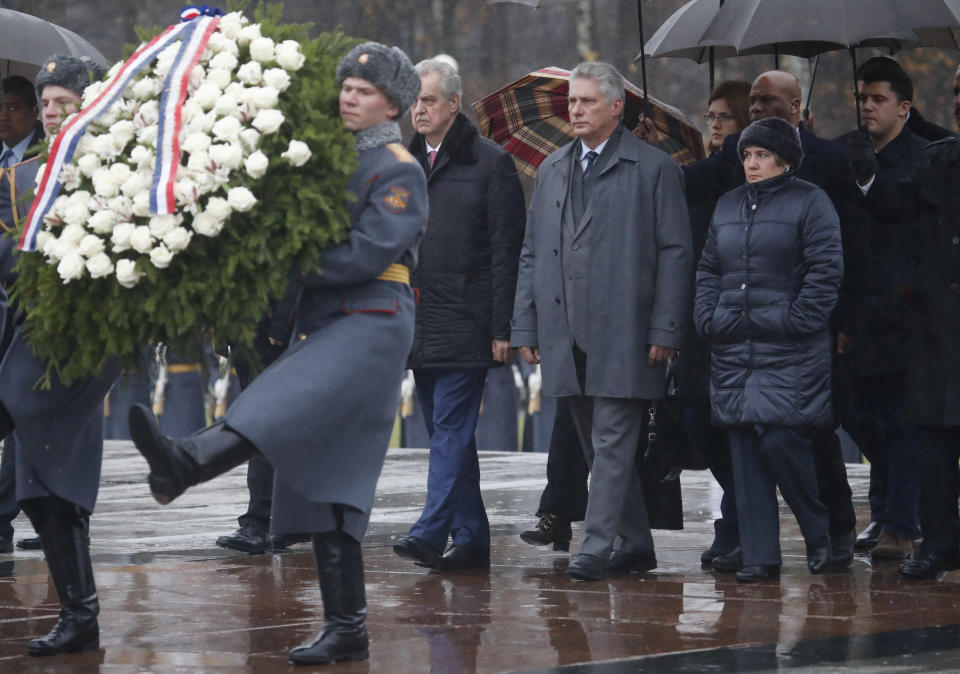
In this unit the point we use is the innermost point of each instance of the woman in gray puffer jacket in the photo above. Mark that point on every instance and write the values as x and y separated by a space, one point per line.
766 284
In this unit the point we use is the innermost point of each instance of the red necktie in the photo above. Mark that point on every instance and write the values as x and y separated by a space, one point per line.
432 154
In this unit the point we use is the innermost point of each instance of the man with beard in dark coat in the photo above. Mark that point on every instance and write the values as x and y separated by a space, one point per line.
933 375
466 281
777 94
879 269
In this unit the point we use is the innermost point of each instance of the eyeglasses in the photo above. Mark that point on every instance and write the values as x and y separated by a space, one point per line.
710 118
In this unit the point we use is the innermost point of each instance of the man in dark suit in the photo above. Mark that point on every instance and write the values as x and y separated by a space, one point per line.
777 94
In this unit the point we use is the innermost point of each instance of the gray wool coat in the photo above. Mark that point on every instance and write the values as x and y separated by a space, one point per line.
640 272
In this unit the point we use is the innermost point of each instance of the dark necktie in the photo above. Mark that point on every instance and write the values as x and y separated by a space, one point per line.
5 158
591 159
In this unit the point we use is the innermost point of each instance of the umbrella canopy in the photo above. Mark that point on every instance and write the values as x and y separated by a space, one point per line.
811 27
679 36
529 118
27 41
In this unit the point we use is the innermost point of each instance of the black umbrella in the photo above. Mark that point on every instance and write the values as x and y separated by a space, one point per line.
27 41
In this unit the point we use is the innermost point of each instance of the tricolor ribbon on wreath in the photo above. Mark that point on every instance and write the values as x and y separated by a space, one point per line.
195 31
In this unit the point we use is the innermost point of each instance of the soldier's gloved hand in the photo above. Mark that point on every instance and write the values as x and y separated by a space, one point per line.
861 156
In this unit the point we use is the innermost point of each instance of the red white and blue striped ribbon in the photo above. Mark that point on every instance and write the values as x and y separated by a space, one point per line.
162 199
65 144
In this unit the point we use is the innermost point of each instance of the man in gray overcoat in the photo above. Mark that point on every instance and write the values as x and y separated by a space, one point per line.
602 296
323 412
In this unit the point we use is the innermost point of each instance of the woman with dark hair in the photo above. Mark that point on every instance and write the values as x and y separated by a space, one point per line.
728 111
766 284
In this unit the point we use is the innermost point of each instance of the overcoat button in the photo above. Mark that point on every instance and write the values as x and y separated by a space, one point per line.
576 246
556 252
302 336
743 286
557 300
955 240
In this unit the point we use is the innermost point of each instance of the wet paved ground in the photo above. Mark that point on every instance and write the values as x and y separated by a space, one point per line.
172 601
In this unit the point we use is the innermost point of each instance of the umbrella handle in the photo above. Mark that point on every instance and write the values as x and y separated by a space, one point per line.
813 78
856 92
643 61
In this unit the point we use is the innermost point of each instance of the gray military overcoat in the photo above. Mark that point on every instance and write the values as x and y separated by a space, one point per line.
323 412
640 271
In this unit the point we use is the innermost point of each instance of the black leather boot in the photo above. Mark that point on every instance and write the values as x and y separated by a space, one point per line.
64 534
176 464
344 634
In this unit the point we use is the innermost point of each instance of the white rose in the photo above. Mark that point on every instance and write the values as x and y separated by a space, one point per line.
224 61
240 199
161 224
222 42
69 177
219 208
198 161
268 121
186 191
177 239
147 87
143 157
190 111
75 215
100 265
203 123
249 34
206 96
39 176
227 154
109 147
60 205
149 113
261 49
298 153
276 78
104 184
263 97
92 91
121 236
133 185
120 172
230 25
206 224
147 136
109 116
122 206
141 240
195 142
71 266
141 204
160 257
90 245
44 237
197 75
250 138
227 104
86 145
81 197
250 73
220 78
102 222
73 233
289 56
60 249
228 128
123 131
127 274
256 164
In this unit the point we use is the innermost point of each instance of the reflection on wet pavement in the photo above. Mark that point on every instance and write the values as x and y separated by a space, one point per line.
171 600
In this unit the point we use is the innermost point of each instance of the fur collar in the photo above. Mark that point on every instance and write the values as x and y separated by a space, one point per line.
458 144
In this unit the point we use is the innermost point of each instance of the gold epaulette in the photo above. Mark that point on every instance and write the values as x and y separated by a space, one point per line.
398 273
401 153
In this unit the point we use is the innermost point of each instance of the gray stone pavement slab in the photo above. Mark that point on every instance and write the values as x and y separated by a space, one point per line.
172 601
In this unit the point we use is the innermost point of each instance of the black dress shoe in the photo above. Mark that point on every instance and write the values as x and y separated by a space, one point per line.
411 547
929 566
868 537
818 556
732 561
623 563
587 567
462 557
282 542
754 574
715 550
551 529
32 543
248 538
6 545
841 548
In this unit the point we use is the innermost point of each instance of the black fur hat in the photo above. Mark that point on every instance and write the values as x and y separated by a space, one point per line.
774 134
388 68
70 72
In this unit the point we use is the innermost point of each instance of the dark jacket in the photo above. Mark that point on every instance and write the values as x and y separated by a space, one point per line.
926 130
930 196
467 273
766 284
879 261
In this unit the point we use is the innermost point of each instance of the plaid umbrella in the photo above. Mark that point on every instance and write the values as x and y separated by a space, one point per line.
529 119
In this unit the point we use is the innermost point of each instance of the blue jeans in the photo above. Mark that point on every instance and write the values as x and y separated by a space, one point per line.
450 400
